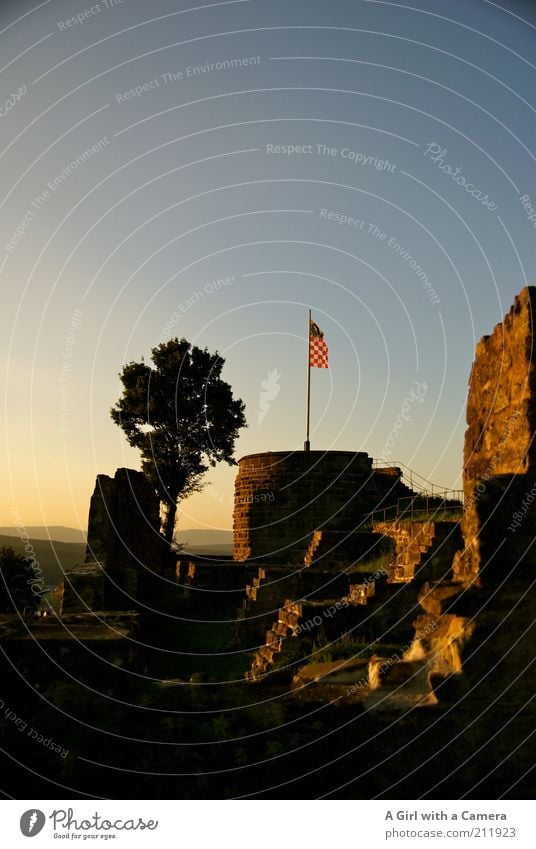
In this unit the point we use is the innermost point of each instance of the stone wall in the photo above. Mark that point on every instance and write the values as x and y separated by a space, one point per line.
481 626
93 648
281 498
423 550
124 546
84 589
124 522
499 453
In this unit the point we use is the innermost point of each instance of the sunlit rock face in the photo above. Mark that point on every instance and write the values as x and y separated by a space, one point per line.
500 450
481 626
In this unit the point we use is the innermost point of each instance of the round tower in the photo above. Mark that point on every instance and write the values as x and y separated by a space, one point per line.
282 497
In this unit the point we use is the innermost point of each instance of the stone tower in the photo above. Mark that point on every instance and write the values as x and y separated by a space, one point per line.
282 497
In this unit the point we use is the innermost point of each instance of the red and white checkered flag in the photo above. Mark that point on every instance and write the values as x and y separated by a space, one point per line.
318 350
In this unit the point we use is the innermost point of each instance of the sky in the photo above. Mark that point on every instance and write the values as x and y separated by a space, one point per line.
214 170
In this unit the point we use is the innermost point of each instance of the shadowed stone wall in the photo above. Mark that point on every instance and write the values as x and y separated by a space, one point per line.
124 545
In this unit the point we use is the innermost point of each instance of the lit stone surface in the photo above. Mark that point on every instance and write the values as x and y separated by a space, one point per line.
500 452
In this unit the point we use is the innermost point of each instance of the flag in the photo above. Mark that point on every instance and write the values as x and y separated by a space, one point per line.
318 350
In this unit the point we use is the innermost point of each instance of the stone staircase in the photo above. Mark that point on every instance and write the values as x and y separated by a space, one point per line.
252 589
323 583
332 548
423 550
286 602
285 625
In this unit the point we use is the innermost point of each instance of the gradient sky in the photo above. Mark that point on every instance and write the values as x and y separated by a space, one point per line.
186 187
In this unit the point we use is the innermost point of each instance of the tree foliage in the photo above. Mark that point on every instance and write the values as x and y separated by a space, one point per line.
19 587
182 417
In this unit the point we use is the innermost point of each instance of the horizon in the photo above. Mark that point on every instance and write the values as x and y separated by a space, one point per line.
200 527
84 530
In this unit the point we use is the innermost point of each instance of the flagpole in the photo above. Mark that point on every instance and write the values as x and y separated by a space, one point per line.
307 444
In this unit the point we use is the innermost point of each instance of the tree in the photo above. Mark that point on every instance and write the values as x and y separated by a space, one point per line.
19 588
182 416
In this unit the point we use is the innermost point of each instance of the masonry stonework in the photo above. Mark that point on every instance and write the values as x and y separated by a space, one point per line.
500 451
281 498
481 626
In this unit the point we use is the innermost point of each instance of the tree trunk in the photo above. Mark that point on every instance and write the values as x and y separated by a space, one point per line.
171 515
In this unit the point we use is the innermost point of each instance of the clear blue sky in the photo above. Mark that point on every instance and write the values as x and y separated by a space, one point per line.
149 150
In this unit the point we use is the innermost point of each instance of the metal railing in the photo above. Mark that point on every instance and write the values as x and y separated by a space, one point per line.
412 479
425 505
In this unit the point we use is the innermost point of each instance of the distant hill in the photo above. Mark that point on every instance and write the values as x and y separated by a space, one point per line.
205 541
53 557
192 536
56 532
67 546
209 550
